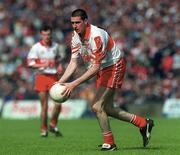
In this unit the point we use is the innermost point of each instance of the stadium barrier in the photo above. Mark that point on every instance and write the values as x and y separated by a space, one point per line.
28 109
1 102
77 108
171 108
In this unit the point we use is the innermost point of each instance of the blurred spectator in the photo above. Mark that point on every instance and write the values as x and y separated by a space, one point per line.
147 30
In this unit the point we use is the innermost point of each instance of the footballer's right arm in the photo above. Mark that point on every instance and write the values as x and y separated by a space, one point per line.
34 61
71 68
37 63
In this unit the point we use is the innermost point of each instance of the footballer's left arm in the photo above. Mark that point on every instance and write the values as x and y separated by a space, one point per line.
92 71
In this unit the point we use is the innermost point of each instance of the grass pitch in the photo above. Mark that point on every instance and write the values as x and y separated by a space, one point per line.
81 137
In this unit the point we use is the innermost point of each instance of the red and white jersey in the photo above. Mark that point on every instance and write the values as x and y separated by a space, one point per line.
96 47
39 53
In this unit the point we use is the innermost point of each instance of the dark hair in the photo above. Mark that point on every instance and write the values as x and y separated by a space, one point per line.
46 27
81 13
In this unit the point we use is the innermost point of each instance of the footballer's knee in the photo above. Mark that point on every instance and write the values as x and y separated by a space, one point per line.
97 107
58 106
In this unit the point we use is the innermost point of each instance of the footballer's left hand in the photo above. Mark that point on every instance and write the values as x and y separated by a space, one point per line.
69 88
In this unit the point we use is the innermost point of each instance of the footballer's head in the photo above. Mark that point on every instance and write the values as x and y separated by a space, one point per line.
46 33
79 20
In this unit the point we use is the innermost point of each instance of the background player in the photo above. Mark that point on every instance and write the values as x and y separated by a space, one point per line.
105 60
44 57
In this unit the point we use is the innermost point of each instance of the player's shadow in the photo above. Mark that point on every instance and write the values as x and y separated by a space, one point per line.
142 148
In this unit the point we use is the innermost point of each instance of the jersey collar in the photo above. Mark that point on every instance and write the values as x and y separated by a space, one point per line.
87 32
43 44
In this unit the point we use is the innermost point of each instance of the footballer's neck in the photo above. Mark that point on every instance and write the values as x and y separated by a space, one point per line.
46 43
82 35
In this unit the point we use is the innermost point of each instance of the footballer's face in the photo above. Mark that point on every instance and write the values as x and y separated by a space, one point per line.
79 25
46 36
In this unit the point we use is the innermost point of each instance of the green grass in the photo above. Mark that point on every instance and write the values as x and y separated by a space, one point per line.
81 137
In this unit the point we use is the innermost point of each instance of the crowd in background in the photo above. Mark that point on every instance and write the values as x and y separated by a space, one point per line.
148 31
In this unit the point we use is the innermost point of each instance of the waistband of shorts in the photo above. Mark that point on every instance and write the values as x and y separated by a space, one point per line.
47 74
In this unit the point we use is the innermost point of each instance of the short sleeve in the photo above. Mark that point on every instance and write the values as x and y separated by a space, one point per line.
99 51
75 46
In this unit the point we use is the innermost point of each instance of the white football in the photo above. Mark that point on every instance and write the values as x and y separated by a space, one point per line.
56 91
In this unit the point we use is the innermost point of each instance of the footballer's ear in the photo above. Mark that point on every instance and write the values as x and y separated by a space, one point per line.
86 21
